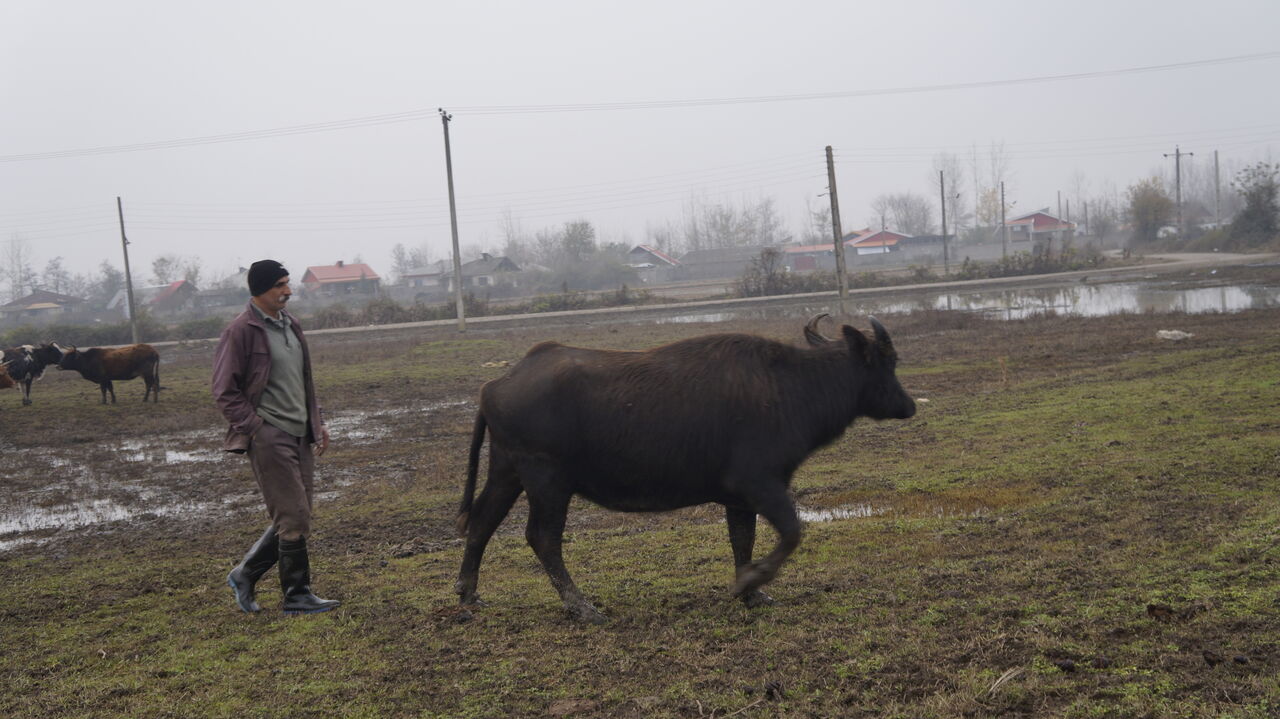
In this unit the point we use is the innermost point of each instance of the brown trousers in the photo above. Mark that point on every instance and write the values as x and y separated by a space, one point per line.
285 468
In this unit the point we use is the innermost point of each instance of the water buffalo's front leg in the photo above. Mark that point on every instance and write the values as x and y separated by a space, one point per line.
742 537
770 499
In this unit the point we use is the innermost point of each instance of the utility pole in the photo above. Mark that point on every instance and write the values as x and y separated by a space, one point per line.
1059 204
1177 184
1004 227
128 279
842 277
453 221
1217 194
1086 217
942 190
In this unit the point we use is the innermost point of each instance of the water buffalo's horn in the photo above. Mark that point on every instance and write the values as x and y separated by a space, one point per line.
882 335
811 333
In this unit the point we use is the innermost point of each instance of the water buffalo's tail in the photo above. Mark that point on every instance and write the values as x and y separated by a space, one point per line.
473 468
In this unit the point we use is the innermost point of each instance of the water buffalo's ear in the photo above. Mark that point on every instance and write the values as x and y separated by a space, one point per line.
859 347
811 333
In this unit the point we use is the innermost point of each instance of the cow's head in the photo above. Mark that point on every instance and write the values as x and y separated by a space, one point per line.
67 355
881 395
46 354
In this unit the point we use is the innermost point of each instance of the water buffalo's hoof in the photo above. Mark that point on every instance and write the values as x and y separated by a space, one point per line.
756 598
587 614
750 578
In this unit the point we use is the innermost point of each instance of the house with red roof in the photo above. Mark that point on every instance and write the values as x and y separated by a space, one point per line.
171 299
822 256
341 278
1040 228
651 263
879 242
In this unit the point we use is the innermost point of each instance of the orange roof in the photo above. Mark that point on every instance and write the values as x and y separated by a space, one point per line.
882 238
341 272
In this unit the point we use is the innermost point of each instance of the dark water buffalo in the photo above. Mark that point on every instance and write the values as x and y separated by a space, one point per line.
723 418
105 366
26 364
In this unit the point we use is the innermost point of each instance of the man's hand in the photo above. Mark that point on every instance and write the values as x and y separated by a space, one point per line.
323 444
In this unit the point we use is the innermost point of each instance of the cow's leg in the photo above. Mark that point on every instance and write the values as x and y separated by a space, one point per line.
769 497
501 490
548 506
742 537
112 389
26 392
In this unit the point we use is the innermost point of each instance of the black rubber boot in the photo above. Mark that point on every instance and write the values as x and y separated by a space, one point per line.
261 557
295 580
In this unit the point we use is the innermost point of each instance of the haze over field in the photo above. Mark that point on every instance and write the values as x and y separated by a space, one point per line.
309 131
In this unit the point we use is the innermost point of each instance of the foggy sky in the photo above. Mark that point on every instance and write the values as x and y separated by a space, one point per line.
91 77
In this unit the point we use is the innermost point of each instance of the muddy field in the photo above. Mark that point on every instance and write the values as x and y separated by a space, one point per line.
1013 550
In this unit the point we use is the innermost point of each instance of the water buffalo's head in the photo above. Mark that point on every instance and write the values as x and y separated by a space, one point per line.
880 395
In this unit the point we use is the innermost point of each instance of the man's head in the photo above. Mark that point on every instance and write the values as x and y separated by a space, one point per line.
269 285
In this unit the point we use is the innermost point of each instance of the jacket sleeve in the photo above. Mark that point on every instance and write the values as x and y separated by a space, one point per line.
230 365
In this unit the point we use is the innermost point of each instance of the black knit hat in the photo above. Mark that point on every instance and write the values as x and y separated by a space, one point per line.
263 275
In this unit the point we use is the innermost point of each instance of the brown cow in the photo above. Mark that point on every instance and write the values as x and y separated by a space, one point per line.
5 380
104 365
722 418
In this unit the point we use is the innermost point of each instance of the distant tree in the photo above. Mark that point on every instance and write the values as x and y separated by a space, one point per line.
1259 221
16 269
1150 208
957 208
665 237
987 211
165 268
1103 216
907 212
577 241
108 282
191 269
818 230
55 277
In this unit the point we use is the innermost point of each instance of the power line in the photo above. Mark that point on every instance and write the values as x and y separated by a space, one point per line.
420 114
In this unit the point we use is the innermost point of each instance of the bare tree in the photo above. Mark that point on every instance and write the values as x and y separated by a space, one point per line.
17 272
957 202
55 277
165 268
907 212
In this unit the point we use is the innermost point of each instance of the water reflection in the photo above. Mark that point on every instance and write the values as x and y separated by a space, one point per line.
1080 300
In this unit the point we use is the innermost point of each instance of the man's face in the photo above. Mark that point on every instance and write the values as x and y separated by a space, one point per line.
274 299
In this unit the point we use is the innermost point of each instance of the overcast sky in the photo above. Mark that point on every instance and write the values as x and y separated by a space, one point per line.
308 132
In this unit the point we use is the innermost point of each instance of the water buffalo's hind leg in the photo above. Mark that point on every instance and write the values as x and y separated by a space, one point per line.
501 490
548 506
771 501
742 537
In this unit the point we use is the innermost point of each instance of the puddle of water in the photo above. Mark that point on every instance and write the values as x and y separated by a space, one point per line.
1081 300
863 511
85 496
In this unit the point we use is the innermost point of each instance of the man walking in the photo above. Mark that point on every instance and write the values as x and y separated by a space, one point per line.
262 385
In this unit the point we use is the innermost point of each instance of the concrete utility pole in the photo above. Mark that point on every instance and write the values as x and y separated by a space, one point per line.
453 221
942 190
842 278
1217 193
128 278
1004 227
1177 184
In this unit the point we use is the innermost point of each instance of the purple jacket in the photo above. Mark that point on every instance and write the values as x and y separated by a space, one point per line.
241 367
